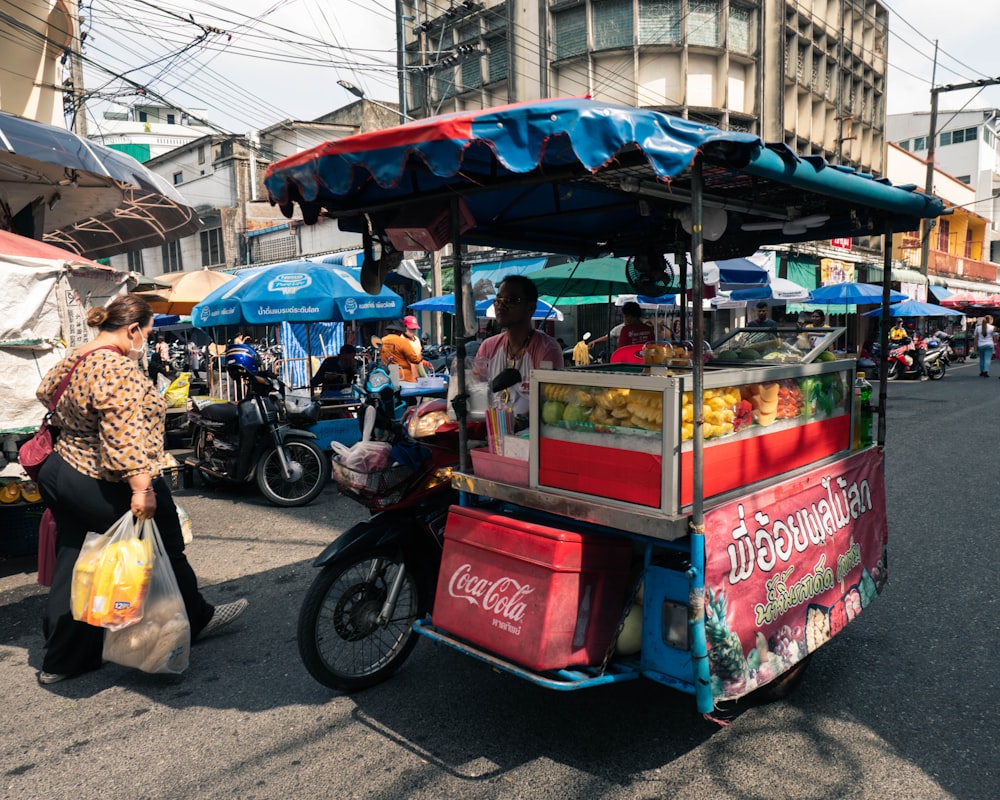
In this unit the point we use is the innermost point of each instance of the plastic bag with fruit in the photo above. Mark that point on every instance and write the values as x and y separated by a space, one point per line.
161 642
111 575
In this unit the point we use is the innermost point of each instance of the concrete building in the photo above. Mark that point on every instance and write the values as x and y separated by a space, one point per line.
222 177
147 130
811 75
967 147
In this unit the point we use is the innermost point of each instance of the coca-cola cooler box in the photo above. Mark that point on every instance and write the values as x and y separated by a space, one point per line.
541 596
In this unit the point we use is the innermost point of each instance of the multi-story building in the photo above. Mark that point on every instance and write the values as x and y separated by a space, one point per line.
222 177
966 146
809 74
147 130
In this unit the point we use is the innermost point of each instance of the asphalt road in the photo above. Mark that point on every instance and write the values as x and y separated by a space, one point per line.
899 705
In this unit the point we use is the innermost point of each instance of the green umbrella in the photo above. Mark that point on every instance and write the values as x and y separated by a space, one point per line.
596 280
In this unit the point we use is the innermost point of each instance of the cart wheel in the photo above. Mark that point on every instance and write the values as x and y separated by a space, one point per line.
782 686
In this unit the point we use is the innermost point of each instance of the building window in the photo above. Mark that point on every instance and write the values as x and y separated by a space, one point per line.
135 262
444 82
943 234
703 22
612 23
920 143
740 36
472 72
966 179
905 144
660 21
571 32
201 154
497 60
143 116
171 255
212 252
945 138
178 178
170 119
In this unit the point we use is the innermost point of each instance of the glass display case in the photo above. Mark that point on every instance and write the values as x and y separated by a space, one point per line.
623 436
777 344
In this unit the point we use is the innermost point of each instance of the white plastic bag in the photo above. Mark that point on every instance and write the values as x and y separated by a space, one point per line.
161 642
111 576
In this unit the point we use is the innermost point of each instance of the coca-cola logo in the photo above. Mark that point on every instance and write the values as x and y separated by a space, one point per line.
503 597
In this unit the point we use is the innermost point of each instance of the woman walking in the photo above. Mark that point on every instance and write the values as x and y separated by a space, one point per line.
984 341
106 463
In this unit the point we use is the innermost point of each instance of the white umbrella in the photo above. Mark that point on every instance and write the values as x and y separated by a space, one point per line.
777 292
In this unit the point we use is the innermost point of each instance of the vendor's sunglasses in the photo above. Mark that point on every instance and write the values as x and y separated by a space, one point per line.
503 302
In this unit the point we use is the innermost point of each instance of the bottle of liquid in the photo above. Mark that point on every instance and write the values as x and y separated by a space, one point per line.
863 434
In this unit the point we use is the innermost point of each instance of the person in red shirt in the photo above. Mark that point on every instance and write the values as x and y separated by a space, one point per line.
634 331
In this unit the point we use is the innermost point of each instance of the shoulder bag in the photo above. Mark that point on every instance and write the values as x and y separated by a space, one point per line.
33 452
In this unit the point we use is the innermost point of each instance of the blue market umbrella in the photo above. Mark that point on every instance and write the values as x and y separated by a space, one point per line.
298 291
914 308
853 294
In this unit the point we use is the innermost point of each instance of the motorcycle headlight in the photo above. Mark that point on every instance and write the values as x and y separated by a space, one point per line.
378 380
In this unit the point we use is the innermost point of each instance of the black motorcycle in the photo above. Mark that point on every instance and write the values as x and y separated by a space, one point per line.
263 437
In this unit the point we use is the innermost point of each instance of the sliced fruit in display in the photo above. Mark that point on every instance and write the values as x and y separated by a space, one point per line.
10 492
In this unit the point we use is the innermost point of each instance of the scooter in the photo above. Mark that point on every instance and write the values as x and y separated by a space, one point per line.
377 578
903 364
264 437
943 341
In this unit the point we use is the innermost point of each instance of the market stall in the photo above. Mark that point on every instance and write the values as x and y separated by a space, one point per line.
704 525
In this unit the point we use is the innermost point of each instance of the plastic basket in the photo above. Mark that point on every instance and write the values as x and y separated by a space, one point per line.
19 529
372 489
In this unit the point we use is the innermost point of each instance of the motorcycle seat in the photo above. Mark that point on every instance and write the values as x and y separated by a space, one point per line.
220 412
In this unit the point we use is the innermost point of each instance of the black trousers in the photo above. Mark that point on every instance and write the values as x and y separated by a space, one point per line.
81 504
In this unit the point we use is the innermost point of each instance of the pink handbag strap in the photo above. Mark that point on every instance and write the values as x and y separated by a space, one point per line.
64 383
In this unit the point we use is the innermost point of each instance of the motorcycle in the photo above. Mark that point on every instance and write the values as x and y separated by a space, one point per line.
902 362
355 626
263 438
943 341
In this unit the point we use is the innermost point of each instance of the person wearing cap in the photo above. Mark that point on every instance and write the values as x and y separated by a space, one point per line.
398 349
336 373
410 326
634 330
762 320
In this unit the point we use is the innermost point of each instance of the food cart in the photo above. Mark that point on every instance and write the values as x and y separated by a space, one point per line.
707 522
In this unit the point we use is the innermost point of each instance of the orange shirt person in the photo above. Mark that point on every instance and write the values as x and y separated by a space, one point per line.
399 350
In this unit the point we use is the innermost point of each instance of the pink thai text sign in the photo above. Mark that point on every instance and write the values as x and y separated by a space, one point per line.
788 566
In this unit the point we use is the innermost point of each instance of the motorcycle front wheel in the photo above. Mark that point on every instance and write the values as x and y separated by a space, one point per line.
936 371
892 371
340 640
312 474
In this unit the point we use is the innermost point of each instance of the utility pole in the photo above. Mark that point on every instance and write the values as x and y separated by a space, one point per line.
76 71
925 244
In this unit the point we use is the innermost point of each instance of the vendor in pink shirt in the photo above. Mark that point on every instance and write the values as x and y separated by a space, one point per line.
520 345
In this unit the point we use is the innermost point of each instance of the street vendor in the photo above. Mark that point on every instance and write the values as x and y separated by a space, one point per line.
336 373
518 345
398 349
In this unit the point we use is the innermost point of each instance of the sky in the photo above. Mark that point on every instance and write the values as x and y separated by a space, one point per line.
270 60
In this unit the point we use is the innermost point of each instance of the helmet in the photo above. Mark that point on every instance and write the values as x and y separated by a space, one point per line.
242 359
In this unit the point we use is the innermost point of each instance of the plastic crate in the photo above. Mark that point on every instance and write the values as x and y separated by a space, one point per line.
19 529
499 468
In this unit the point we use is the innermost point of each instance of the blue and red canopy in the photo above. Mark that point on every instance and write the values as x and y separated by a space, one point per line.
585 177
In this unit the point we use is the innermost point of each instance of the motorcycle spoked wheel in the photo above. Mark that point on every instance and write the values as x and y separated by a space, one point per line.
936 371
340 641
315 474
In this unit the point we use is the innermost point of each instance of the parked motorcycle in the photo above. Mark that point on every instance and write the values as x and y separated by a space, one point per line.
264 437
356 622
902 362
943 341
